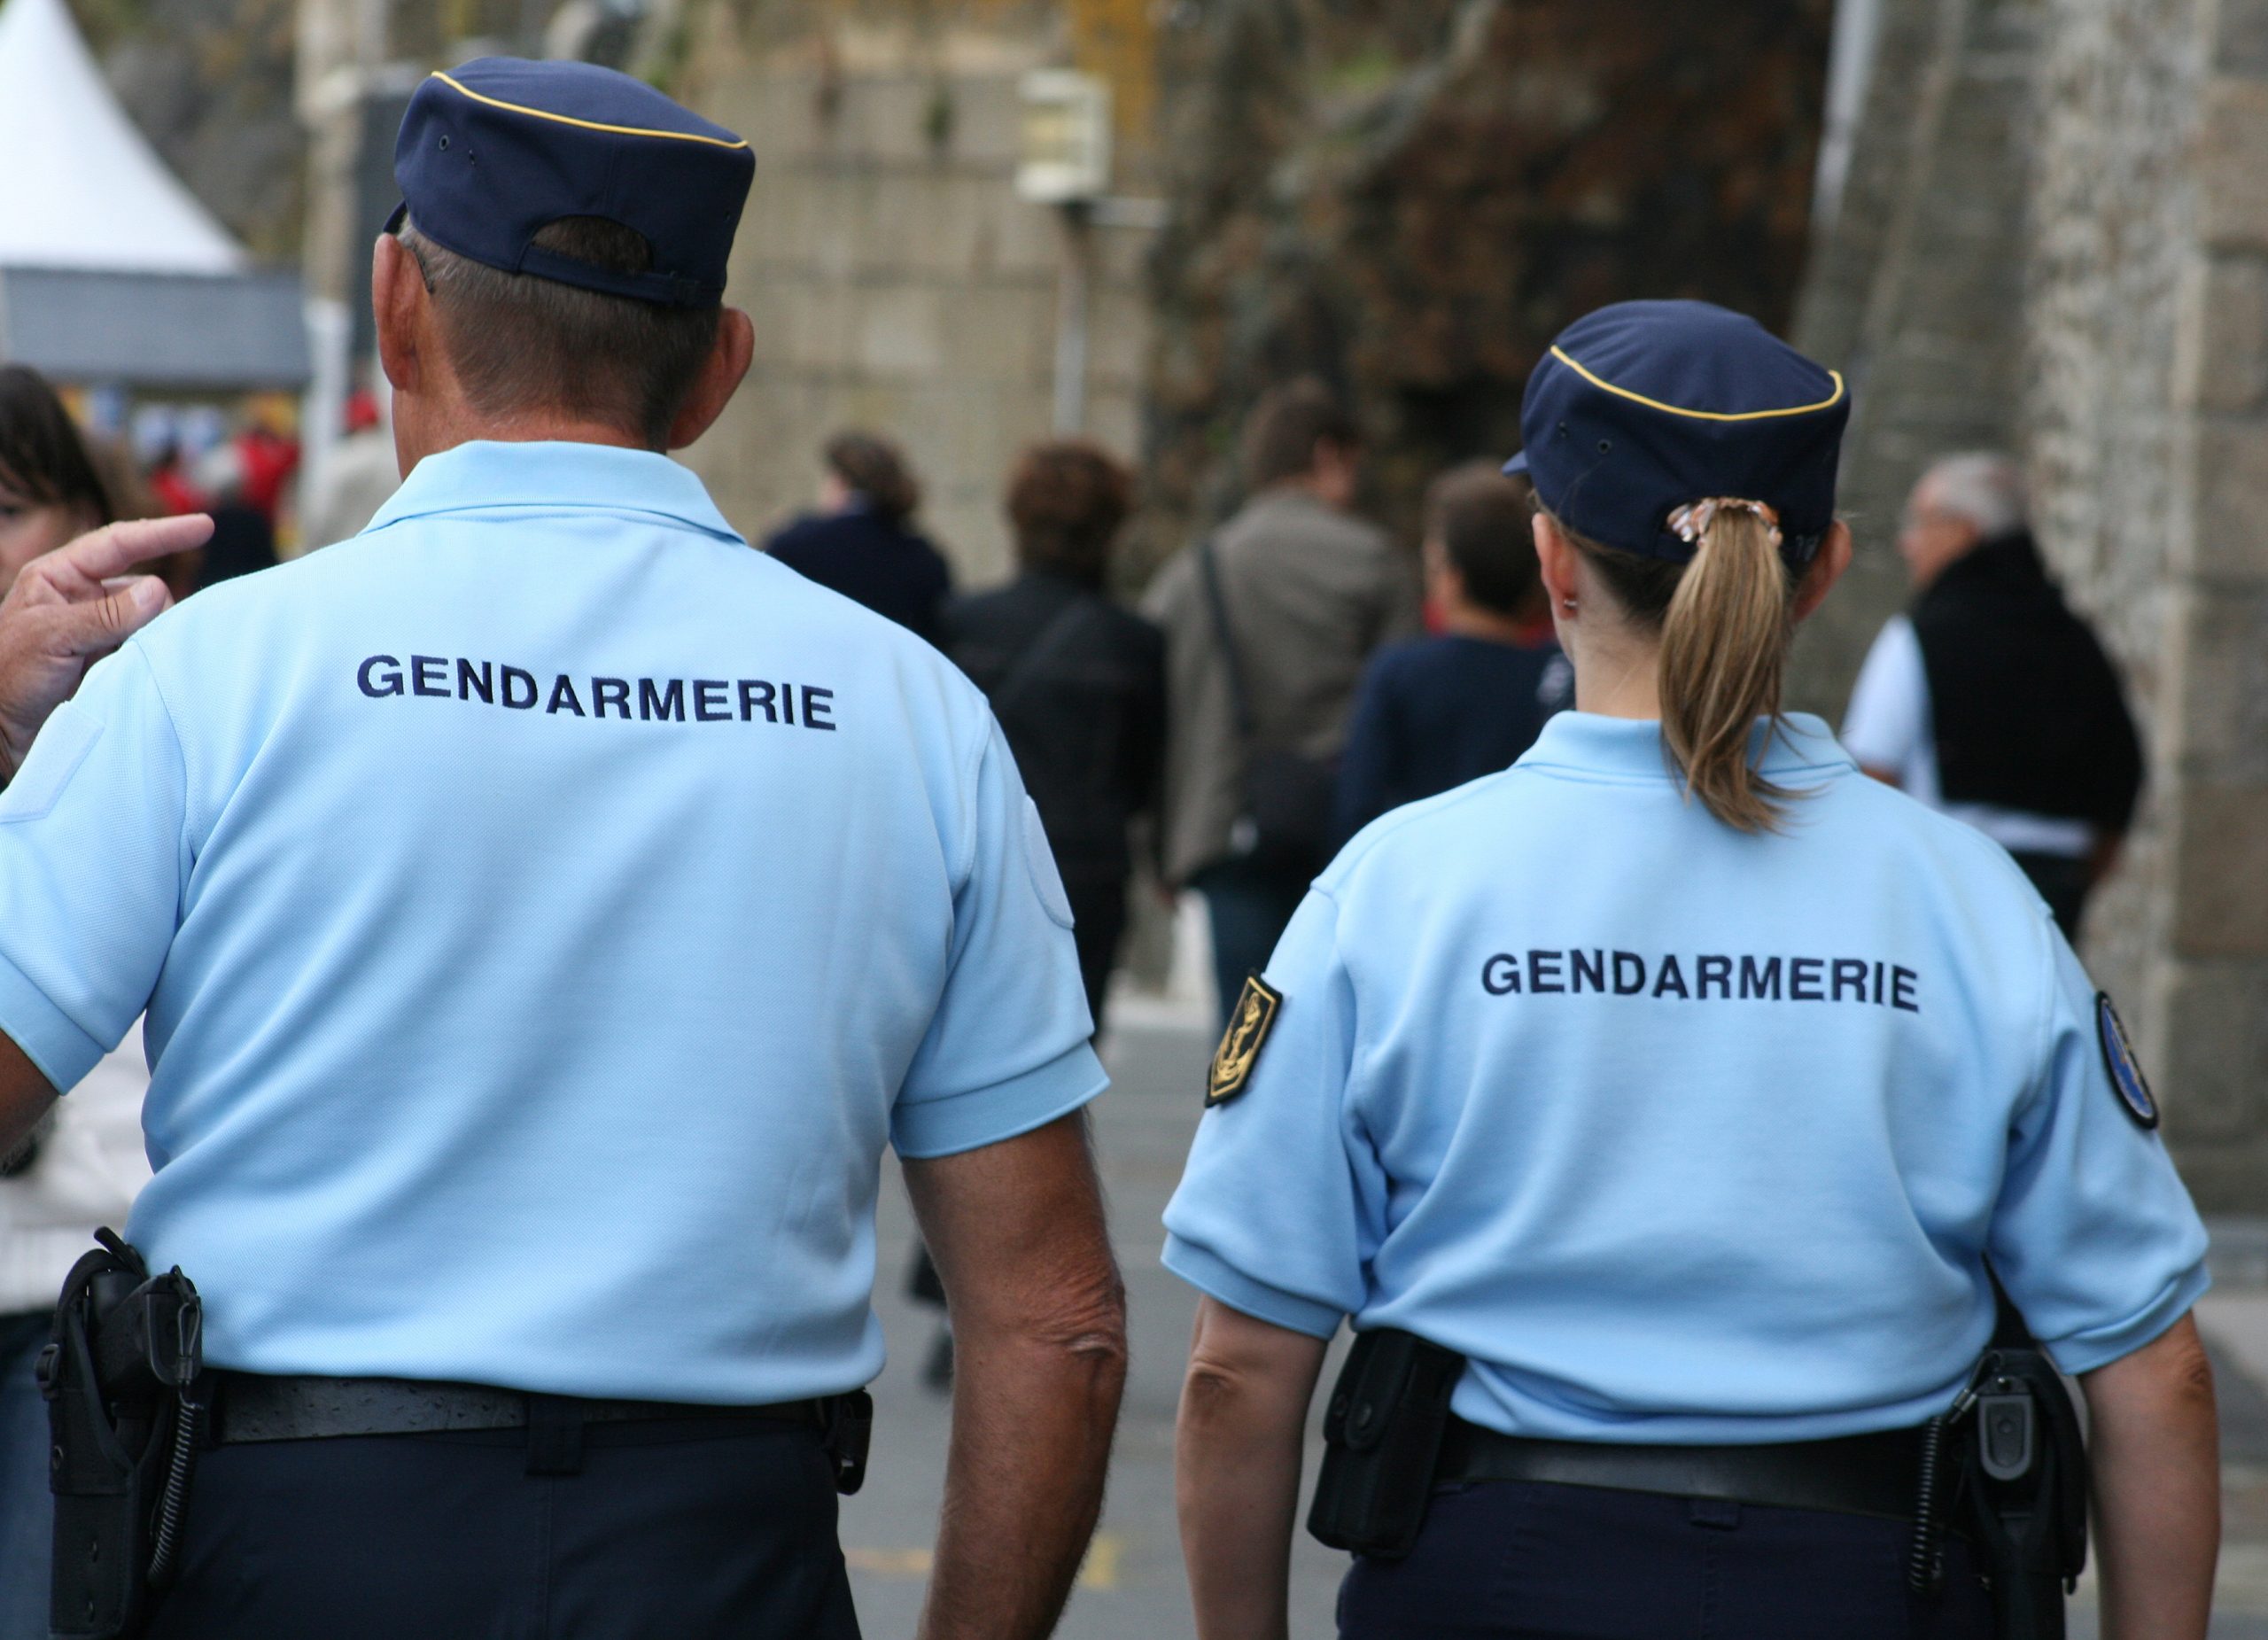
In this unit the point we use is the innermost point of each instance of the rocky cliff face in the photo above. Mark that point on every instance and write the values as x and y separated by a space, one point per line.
1411 198
209 82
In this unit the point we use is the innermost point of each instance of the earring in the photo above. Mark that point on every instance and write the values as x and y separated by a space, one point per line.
1567 604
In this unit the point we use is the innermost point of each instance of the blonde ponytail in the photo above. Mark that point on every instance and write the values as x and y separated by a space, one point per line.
1725 619
1724 651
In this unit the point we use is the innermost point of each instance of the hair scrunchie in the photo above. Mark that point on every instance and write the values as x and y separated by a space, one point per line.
1691 522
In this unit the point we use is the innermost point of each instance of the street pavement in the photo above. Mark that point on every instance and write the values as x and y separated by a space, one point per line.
1132 1587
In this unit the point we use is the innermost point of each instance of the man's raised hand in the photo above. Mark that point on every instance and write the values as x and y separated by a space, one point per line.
74 605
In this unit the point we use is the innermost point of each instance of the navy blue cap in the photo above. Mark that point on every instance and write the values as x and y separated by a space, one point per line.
492 152
1643 408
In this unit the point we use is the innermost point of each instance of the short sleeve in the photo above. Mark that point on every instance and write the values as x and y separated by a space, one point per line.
1282 1205
2094 1236
92 866
1888 719
1007 1049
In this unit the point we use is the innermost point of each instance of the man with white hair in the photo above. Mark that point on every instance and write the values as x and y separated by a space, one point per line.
1990 699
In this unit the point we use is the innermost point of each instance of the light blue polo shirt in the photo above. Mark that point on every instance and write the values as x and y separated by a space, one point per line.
547 909
1680 1134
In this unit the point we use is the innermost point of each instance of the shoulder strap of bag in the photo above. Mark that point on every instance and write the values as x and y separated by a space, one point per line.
1053 640
1239 693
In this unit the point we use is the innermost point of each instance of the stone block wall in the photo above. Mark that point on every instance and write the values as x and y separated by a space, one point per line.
2207 973
2108 250
2056 238
895 281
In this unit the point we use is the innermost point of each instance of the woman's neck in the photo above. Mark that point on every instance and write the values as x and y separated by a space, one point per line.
1614 678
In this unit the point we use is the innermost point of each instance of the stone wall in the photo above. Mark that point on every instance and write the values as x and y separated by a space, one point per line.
2056 238
896 280
2150 413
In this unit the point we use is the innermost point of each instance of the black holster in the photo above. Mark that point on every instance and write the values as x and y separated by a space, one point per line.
1382 1441
122 1377
847 1430
2027 1490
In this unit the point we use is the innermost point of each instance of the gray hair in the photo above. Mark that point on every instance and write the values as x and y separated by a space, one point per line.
1982 487
520 343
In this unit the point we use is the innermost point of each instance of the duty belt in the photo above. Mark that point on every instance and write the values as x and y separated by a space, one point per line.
1872 1474
256 1406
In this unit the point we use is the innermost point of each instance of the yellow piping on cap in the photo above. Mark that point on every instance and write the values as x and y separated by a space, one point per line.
1701 415
587 125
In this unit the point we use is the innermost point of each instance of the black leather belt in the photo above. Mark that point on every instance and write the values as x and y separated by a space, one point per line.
1875 1474
256 1406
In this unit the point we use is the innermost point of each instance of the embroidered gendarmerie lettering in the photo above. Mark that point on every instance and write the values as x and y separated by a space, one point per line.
1242 1041
1703 977
581 694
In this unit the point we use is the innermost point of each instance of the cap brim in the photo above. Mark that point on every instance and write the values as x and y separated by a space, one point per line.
1518 464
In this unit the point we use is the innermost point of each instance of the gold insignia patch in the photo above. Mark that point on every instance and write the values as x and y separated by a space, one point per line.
1239 1049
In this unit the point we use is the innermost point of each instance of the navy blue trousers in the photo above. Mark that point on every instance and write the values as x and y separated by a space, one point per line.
1518 1560
687 1529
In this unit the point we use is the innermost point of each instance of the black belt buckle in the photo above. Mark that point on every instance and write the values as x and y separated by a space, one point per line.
847 1430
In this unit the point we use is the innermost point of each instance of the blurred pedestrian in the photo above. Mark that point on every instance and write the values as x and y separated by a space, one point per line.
861 542
1990 699
359 475
83 1166
244 536
1437 711
1268 623
1077 683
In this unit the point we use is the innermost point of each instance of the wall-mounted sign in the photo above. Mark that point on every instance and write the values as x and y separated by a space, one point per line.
1065 137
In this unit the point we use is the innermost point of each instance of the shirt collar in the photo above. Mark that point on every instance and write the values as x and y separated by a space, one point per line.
555 476
1631 748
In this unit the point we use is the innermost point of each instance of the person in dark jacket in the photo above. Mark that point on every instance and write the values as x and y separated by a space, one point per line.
861 542
1078 682
1435 712
1079 687
1990 699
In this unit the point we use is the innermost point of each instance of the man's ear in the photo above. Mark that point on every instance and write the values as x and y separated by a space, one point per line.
398 303
1826 569
720 378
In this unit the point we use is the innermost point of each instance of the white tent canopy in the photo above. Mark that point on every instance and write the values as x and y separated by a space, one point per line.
80 187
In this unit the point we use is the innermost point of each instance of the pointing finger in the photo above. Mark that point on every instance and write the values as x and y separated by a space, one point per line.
115 548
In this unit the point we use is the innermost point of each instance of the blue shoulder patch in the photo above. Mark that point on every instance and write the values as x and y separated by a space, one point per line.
2119 1059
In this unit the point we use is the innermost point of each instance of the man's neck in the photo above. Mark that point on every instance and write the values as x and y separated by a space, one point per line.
512 430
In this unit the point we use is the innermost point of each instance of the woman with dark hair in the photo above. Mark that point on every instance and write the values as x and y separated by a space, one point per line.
861 542
49 490
1077 683
84 1167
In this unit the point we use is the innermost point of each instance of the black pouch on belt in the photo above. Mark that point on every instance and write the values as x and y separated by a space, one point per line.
847 1429
2027 1490
1382 1439
121 1378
